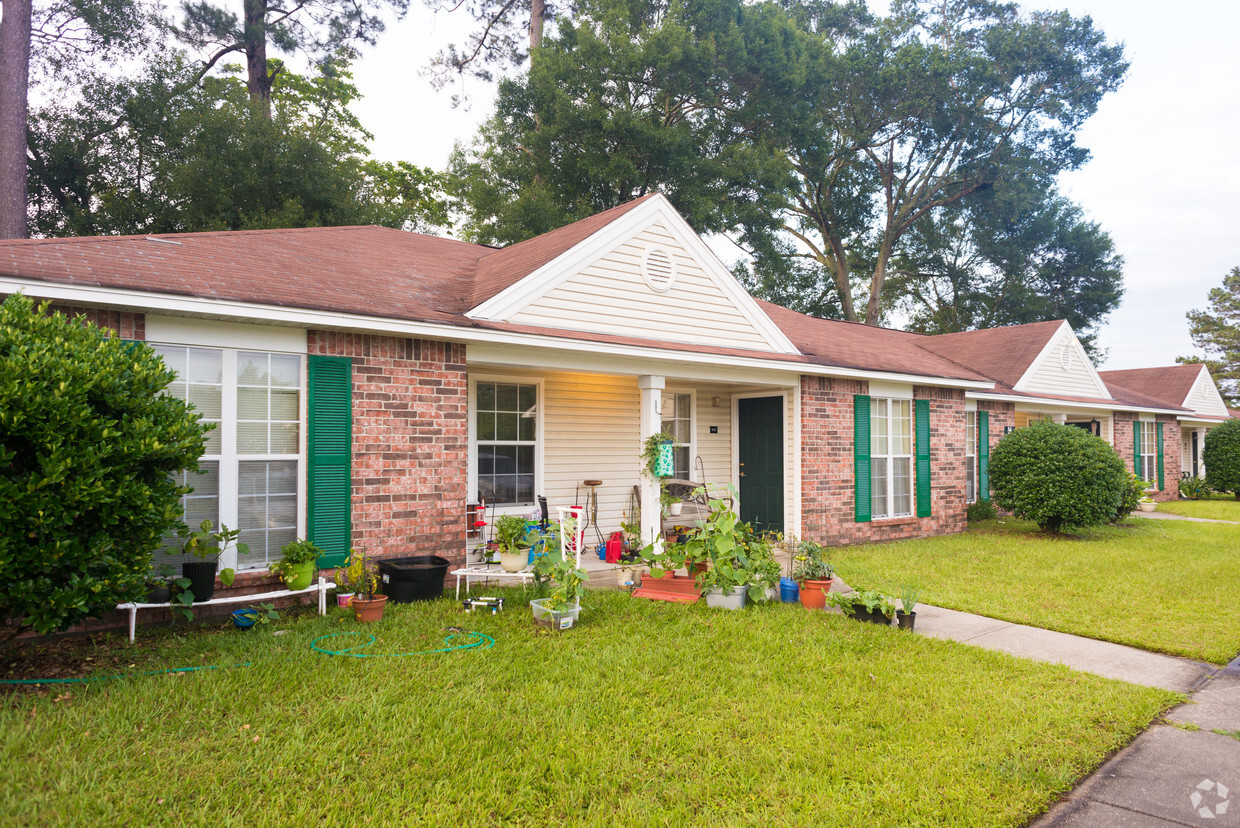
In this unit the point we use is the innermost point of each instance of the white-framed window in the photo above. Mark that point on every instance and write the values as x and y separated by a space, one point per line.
678 421
891 458
505 431
1148 461
970 456
253 468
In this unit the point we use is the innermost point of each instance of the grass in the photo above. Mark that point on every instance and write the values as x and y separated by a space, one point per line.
1166 586
1214 507
646 713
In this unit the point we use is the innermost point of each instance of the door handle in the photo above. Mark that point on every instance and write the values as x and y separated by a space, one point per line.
742 474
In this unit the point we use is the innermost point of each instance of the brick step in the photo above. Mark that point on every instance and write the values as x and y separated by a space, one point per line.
680 588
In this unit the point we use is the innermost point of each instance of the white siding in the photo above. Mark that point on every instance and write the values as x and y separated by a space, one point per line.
1079 380
611 296
1204 398
714 449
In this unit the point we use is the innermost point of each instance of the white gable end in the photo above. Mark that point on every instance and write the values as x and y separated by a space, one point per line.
1063 369
646 275
1204 397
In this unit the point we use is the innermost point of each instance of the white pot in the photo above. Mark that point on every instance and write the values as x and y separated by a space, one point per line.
514 561
473 555
629 577
674 509
735 600
1147 507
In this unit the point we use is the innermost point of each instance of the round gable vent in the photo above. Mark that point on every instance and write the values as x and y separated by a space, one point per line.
1065 359
659 269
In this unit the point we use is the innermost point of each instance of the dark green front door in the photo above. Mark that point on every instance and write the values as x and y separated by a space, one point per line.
760 441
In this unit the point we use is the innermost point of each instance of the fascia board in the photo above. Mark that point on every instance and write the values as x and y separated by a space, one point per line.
149 302
1102 405
510 301
1197 419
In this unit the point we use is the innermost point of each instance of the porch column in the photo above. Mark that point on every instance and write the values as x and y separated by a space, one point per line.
651 423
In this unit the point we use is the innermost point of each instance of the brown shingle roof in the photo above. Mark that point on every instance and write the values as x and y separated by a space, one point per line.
1002 354
1170 383
853 345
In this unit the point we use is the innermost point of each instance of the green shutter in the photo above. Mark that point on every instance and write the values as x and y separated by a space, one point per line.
861 456
921 409
1158 428
1136 448
329 473
983 455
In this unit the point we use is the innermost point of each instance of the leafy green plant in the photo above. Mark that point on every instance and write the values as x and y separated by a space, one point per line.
863 599
811 564
559 578
363 575
1057 476
650 453
981 510
908 598
1194 488
1134 491
262 614
511 532
295 553
90 451
1221 455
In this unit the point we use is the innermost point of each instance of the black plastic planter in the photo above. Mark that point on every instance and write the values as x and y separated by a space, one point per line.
201 576
417 578
873 617
906 619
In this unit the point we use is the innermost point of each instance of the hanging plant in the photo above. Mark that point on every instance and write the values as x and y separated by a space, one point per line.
656 456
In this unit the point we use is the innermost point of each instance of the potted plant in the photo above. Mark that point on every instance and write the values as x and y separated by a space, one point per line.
657 464
297 566
558 575
159 585
865 605
907 616
1147 503
367 604
348 577
206 544
247 617
813 574
514 545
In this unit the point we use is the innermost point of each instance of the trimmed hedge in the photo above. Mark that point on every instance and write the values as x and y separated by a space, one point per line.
1057 476
1221 455
88 447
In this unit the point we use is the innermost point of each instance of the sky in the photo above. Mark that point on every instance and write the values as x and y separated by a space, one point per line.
1164 179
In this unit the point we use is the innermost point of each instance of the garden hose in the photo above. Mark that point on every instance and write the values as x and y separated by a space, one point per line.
476 640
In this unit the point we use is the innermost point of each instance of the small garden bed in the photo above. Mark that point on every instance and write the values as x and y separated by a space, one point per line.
649 713
1166 586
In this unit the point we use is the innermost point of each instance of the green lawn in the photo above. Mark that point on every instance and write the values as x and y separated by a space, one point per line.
1168 586
647 713
1217 507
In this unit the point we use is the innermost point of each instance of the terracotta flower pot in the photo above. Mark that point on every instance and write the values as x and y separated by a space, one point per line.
814 593
371 610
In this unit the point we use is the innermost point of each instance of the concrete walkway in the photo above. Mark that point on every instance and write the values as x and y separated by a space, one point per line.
1185 772
1169 516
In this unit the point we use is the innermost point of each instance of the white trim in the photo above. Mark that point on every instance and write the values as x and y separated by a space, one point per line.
510 301
796 466
209 333
693 420
1102 405
144 301
1204 378
1193 419
471 409
1064 331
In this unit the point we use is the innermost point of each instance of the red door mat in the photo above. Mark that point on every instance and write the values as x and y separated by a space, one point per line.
679 588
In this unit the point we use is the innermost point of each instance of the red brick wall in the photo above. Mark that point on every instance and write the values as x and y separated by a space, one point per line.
409 442
827 477
127 324
1171 450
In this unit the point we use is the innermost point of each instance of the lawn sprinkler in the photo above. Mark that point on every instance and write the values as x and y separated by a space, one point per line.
495 605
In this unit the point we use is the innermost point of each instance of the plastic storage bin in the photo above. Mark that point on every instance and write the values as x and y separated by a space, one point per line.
416 578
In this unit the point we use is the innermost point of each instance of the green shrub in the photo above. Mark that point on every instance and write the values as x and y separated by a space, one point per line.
1194 488
1222 458
1057 476
1134 490
88 447
981 510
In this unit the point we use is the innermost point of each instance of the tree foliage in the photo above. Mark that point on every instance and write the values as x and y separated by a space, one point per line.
1216 331
1221 456
1058 476
629 98
88 447
202 158
507 33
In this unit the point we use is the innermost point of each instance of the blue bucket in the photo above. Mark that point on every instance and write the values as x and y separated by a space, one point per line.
245 618
789 592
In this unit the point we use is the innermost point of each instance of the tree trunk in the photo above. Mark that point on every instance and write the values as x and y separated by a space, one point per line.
14 86
536 24
874 307
258 82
